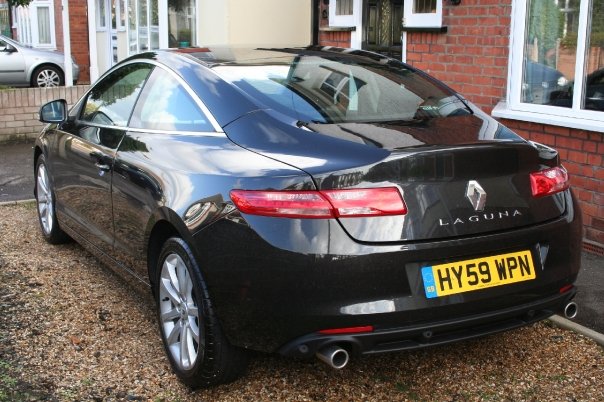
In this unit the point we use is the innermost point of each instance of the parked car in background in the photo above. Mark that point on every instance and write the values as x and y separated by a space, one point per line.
24 66
306 201
540 81
594 92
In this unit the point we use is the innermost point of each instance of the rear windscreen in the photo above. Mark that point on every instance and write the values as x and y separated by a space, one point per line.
321 90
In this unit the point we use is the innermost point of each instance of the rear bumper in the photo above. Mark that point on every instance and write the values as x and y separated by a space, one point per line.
431 334
276 283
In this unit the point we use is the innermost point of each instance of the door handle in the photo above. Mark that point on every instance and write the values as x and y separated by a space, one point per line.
102 166
100 163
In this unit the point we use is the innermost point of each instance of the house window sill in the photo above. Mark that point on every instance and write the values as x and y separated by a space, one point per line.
337 29
504 112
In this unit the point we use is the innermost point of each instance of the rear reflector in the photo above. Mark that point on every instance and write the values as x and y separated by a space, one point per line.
566 288
549 181
349 330
349 203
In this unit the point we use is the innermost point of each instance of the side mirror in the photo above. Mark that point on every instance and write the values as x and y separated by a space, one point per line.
54 112
9 48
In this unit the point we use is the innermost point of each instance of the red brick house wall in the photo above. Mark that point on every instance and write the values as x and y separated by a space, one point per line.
330 38
78 27
472 58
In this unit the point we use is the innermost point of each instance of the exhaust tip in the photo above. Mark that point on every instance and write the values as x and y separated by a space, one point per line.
570 310
334 356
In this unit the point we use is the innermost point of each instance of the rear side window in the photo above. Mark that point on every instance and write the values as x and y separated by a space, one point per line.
111 101
166 105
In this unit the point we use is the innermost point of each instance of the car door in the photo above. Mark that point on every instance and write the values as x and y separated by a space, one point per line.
83 163
12 65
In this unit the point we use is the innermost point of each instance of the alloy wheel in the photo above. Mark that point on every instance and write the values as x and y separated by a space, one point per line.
48 78
179 314
44 196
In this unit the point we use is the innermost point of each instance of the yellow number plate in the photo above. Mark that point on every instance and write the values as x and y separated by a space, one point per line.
479 273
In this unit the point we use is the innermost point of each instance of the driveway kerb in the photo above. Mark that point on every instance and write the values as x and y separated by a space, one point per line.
17 202
578 328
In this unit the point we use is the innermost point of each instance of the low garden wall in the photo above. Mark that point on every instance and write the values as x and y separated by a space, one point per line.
19 109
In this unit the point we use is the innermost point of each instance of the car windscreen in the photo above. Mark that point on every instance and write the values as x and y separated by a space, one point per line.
321 90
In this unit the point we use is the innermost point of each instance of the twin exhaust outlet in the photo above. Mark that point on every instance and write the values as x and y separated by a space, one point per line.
337 358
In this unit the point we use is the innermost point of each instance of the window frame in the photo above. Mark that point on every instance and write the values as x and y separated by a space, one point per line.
514 108
412 19
350 20
101 17
25 20
82 108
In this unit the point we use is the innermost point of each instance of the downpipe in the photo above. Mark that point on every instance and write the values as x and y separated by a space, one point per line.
570 310
334 356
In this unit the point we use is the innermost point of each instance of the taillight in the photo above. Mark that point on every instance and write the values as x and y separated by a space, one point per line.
549 181
348 203
349 330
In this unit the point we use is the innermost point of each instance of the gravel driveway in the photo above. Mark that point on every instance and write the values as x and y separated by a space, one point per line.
72 330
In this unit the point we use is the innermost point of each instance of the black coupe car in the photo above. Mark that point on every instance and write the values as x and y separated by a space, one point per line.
309 202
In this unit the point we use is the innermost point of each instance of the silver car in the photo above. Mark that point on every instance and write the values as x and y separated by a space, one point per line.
24 66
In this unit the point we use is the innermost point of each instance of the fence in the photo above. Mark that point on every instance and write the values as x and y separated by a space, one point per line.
19 109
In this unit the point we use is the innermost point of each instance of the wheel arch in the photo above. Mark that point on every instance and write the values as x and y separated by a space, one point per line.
164 224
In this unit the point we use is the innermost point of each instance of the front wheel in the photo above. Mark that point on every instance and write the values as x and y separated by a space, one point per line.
198 351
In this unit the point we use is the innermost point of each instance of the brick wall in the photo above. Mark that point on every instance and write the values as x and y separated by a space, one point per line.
78 28
472 56
19 109
582 153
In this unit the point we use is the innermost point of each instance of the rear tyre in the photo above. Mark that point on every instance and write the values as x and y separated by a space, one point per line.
47 77
198 351
45 202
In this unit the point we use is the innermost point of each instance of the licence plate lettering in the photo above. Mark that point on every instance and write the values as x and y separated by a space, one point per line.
480 273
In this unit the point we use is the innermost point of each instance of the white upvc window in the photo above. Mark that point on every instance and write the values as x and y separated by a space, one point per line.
36 24
101 15
423 14
343 13
556 67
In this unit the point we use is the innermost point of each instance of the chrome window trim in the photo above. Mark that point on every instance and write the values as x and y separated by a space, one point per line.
204 109
153 131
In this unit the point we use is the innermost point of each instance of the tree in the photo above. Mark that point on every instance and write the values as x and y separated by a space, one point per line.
16 3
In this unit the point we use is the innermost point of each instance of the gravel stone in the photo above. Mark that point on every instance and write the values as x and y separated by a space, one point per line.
72 330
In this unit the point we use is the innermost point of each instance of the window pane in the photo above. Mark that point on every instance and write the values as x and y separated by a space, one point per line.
181 24
593 95
44 26
343 7
101 14
424 6
143 23
153 4
133 35
111 101
166 105
550 52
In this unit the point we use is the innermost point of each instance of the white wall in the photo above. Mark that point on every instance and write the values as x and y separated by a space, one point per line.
258 22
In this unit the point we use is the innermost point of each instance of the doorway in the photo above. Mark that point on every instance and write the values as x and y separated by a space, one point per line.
382 23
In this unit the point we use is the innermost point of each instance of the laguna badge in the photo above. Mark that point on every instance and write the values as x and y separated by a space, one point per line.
476 195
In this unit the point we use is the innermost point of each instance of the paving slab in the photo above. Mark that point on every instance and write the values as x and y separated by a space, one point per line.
16 172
